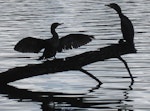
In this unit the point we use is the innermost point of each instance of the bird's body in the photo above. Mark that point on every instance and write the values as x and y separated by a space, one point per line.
53 45
50 49
126 25
127 29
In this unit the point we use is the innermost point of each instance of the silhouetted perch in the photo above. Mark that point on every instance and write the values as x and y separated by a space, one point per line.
69 63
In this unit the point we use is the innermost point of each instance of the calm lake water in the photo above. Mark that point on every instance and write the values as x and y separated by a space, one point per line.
73 90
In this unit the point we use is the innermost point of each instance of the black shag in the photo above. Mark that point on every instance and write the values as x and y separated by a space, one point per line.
53 45
126 25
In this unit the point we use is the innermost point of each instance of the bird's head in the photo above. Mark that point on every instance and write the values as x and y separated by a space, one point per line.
55 25
115 7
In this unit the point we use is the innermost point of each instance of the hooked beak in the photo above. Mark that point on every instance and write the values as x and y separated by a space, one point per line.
108 5
61 23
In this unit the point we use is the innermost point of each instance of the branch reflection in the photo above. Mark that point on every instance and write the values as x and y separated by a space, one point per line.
50 101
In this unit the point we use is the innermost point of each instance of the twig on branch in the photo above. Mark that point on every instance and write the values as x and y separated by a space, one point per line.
92 76
126 65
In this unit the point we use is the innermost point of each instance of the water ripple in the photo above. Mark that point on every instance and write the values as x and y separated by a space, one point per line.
33 18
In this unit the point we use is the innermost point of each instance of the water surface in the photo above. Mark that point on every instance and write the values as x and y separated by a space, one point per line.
73 90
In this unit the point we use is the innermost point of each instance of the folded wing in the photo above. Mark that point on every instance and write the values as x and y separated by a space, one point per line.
73 41
30 44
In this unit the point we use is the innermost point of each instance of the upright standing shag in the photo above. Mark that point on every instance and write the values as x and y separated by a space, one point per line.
126 25
53 45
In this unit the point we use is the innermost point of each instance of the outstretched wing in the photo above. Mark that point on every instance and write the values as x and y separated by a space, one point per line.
73 41
29 44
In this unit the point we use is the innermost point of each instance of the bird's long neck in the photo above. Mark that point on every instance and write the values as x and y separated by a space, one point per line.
55 35
119 12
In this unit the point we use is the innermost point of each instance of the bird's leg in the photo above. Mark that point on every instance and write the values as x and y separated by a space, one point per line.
126 65
40 58
54 57
92 76
121 41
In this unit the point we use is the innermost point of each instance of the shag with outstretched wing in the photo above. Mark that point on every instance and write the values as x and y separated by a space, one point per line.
53 45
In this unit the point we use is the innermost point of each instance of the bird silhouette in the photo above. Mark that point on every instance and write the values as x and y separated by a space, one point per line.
126 25
53 45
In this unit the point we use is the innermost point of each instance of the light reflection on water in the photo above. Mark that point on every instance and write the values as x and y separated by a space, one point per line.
19 19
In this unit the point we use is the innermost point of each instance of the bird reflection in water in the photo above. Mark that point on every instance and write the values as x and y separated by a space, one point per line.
52 101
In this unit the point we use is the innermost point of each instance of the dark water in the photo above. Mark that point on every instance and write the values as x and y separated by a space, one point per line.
72 90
